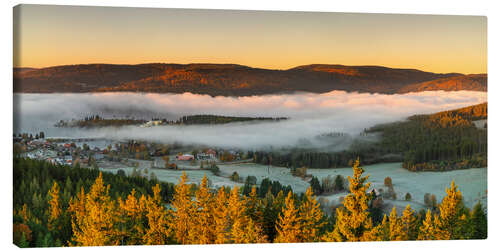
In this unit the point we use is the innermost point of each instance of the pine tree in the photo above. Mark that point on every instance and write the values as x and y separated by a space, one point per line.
353 222
288 225
311 218
183 210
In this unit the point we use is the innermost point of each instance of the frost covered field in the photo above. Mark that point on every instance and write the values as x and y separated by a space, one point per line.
472 182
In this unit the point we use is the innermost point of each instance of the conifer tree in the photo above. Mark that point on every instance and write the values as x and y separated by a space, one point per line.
427 229
311 218
221 218
353 222
288 226
479 223
450 217
253 206
382 231
133 212
55 210
157 216
183 210
240 232
409 224
95 217
202 231
395 226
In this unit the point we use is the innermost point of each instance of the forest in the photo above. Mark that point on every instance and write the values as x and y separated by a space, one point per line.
96 121
66 206
442 141
218 119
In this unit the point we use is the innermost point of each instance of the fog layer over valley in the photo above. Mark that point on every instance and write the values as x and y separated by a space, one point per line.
310 115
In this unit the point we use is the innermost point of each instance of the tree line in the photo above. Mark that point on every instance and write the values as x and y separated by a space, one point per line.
112 211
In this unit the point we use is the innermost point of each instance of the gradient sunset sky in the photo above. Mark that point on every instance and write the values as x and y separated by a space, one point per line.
46 35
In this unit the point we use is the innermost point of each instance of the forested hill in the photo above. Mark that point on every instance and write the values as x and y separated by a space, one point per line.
442 141
236 80
476 82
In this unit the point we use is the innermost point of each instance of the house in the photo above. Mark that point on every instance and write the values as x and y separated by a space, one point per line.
211 152
184 157
205 156
151 123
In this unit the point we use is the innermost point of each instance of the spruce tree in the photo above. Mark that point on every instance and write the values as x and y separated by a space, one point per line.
479 223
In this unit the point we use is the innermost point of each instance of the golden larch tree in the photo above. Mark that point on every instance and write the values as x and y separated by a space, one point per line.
450 217
133 215
311 218
409 224
55 210
288 225
221 217
95 217
157 232
395 226
353 221
240 232
427 229
203 228
183 209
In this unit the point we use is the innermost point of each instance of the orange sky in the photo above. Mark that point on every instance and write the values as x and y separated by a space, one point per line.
56 35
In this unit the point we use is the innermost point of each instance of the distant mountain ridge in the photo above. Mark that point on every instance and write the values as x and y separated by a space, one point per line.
237 80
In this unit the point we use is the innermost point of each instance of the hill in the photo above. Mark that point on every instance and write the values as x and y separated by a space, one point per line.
463 82
233 79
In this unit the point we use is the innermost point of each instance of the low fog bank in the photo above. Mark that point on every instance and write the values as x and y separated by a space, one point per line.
310 115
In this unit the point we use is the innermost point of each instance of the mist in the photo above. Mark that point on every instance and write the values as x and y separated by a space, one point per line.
310 115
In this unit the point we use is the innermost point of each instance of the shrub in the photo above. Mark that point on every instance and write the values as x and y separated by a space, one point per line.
388 182
235 177
408 197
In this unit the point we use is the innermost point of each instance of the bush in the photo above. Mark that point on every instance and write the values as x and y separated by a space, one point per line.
235 177
388 182
408 197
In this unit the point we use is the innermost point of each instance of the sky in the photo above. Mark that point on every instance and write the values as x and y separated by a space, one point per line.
50 35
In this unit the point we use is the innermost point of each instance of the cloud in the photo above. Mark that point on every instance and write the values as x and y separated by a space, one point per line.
311 114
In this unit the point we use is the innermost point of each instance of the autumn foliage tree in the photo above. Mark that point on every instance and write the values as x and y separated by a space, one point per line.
353 221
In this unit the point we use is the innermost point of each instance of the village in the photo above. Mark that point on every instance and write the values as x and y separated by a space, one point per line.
108 154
